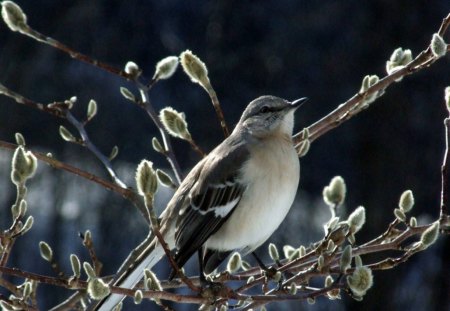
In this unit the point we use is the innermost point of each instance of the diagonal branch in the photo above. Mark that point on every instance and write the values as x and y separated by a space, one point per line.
354 105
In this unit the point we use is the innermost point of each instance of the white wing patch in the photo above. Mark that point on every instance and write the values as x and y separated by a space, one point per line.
223 210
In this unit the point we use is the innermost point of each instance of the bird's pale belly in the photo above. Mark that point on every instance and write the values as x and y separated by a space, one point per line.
261 210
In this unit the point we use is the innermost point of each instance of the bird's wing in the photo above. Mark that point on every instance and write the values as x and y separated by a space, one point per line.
211 199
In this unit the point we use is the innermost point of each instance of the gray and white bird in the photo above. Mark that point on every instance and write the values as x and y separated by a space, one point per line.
233 199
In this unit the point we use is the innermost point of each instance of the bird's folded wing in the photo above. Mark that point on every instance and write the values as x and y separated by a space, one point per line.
210 201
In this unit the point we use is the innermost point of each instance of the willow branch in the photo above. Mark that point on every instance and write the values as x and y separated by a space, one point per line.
168 150
127 193
445 185
349 109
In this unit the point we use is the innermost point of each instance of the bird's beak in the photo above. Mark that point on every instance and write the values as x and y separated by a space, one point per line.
298 102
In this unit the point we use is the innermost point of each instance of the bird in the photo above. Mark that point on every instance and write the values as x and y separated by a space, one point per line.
233 199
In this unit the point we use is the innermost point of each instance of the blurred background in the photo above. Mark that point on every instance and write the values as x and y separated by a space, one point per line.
291 49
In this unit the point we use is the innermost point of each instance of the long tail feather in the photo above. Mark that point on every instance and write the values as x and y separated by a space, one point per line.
131 277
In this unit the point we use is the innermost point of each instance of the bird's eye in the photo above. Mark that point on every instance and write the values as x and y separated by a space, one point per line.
264 109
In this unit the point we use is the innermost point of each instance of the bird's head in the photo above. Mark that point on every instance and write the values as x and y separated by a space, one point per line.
269 115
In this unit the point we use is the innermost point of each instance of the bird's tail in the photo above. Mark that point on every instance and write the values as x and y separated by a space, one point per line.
150 256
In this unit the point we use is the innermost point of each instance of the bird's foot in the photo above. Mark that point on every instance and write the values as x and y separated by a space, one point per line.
213 291
273 274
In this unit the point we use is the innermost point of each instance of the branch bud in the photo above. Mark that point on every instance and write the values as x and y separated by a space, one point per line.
273 252
234 263
302 251
288 251
151 281
24 165
357 219
114 153
331 246
157 145
194 68
132 69
146 180
127 94
346 259
438 46
14 17
27 289
91 109
165 68
399 59
320 262
20 140
430 235
66 134
334 193
400 214
19 210
138 296
97 289
277 276
28 224
360 281
406 201
367 82
164 179
304 147
245 265
310 300
46 251
90 272
293 288
447 98
76 265
175 123
358 261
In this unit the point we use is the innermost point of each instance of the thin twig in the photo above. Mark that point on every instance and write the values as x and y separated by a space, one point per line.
215 101
92 148
82 285
196 148
445 197
155 229
74 54
346 110
168 150
127 193
88 243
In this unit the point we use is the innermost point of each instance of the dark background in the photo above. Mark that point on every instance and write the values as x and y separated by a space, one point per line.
319 49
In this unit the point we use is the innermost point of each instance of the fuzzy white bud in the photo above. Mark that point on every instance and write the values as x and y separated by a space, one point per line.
24 165
76 265
357 219
175 123
13 16
46 251
360 281
166 67
234 263
146 180
430 235
334 193
406 201
132 69
97 289
194 68
438 45
273 252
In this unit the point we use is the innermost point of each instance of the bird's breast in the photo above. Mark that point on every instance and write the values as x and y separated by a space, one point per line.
271 175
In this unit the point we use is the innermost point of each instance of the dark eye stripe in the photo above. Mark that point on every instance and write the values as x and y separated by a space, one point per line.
265 109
